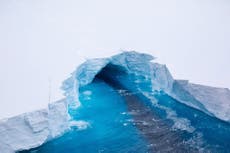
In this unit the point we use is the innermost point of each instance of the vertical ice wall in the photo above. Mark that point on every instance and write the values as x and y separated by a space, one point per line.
32 129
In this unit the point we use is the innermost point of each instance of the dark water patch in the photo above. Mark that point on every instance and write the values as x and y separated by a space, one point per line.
155 129
215 132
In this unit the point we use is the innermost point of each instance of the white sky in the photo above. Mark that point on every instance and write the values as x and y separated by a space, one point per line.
47 39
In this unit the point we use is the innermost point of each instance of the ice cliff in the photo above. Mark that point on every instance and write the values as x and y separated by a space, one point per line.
33 129
213 101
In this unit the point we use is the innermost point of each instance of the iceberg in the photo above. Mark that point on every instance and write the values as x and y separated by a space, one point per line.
211 100
136 73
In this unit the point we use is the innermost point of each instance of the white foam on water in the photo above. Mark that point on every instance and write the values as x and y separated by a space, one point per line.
79 125
87 93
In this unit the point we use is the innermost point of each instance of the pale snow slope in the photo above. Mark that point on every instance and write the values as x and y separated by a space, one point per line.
216 101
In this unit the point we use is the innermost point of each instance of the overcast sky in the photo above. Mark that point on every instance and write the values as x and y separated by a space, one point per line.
42 40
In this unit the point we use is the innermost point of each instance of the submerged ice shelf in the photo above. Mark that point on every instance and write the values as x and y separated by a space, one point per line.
125 103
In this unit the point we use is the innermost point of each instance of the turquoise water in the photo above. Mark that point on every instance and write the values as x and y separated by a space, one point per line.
125 116
109 129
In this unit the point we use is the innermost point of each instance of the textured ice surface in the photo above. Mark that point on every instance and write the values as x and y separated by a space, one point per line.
32 129
215 101
132 62
212 101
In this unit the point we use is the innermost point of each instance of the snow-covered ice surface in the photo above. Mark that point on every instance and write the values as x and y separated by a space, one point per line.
32 129
211 100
